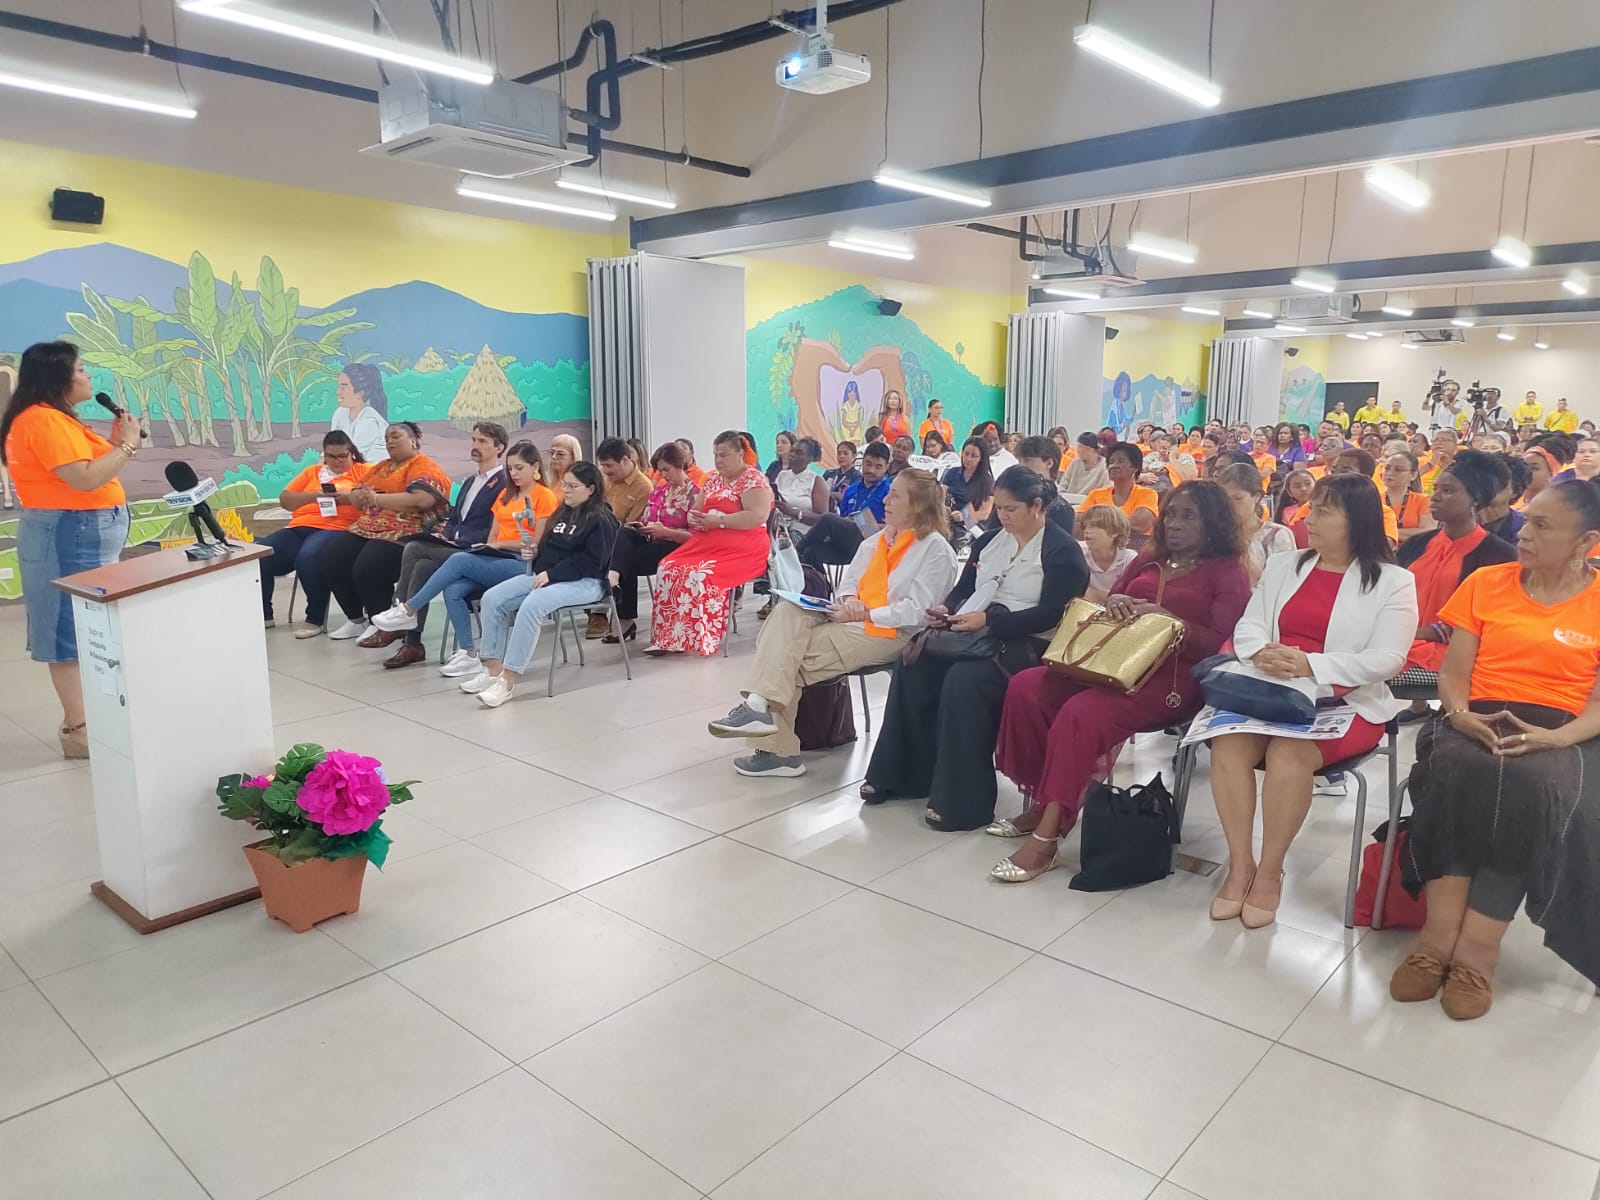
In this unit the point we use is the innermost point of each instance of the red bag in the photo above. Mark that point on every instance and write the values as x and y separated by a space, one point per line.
1400 911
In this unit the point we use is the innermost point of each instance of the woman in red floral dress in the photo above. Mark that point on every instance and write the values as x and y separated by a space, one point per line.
728 547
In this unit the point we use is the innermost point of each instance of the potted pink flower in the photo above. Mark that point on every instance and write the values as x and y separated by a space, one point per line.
323 813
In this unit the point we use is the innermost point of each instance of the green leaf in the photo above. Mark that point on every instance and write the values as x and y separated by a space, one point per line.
332 317
140 309
280 796
304 845
202 297
276 314
297 763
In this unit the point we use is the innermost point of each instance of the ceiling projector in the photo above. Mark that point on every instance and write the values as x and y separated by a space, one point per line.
818 68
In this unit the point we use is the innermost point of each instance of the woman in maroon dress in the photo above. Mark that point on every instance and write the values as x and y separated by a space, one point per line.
1057 736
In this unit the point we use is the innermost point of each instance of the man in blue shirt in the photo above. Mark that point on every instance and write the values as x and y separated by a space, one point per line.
834 540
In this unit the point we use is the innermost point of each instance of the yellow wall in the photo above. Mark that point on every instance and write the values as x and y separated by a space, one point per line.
330 246
1154 346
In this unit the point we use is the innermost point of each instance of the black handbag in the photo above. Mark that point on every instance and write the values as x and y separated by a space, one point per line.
824 717
1127 836
953 645
1250 696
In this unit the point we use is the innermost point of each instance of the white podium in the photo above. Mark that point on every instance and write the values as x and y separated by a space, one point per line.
174 664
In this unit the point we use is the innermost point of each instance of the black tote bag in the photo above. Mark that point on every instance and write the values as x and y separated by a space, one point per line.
1127 838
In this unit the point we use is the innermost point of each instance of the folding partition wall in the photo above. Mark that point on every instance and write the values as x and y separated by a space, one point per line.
1245 383
1053 371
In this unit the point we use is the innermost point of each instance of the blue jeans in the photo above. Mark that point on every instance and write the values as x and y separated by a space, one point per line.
295 548
462 577
52 543
514 611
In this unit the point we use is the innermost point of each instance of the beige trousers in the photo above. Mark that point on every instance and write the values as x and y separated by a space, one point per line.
797 648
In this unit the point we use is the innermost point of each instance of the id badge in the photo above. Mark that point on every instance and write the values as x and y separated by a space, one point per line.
327 506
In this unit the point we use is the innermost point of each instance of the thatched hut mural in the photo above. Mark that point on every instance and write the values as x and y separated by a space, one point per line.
431 360
487 395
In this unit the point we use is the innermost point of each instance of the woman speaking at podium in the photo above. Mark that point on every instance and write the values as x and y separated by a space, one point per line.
74 512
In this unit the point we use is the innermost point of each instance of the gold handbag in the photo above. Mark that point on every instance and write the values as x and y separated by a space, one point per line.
1094 648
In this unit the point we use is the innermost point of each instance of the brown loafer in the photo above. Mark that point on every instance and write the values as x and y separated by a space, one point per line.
1467 994
407 656
379 638
1418 978
599 626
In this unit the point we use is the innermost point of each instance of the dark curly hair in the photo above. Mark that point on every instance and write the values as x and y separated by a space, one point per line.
1223 538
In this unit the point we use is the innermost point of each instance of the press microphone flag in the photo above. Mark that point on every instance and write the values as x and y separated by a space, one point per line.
190 492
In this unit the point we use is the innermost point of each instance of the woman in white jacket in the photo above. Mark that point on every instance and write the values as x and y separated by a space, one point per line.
1343 615
896 576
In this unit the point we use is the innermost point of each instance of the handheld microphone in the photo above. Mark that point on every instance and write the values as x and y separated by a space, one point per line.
116 410
182 478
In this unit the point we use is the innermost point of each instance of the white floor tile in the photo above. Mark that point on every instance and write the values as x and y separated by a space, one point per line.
406 749
608 763
583 843
840 836
94 1145
194 981
911 1130
60 928
706 1074
11 975
718 895
532 725
411 835
888 969
46 798
507 1139
47 856
1127 1072
418 903
1171 1191
488 798
1362 1138
23 755
296 700
352 1064
526 983
40 1058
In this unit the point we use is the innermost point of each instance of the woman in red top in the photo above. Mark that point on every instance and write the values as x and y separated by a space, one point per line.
727 547
1057 736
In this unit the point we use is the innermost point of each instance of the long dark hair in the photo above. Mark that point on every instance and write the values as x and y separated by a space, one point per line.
367 381
1362 505
981 486
528 453
43 377
1223 536
338 437
1026 485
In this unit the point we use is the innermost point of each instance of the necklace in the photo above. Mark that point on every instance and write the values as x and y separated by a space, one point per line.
1174 564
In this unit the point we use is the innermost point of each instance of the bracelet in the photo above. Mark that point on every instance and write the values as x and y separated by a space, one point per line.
130 451
1457 712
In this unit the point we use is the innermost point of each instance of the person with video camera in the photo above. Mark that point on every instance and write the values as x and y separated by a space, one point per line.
1443 403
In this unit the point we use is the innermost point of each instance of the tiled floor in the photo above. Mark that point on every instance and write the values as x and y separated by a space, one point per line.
600 965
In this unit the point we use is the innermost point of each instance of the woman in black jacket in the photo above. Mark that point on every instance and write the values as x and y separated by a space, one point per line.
943 714
569 569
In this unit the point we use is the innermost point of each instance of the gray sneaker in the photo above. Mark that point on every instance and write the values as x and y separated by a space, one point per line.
743 721
764 763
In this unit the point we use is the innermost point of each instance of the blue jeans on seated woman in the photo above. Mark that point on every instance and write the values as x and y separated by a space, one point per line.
461 577
514 611
295 549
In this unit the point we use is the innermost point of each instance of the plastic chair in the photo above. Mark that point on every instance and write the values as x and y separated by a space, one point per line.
861 678
571 612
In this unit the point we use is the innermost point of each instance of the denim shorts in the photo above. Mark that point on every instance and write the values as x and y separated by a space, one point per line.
52 542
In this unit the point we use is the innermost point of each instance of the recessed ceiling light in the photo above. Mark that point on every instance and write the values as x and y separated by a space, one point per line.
1397 310
1282 328
50 87
1315 281
1259 314
1462 322
1160 247
1409 346
1505 335
478 188
1375 333
1201 311
1070 294
922 185
1541 345
1160 71
882 249
616 193
1360 337
1576 282
1512 251
1402 187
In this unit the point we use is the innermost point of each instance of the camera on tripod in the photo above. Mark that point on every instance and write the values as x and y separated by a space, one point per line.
1479 396
1436 390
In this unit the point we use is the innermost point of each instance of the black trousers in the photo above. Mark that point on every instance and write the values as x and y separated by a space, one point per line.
832 541
635 555
939 730
361 573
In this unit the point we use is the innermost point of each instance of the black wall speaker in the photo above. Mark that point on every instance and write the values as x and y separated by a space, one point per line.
81 208
1111 333
889 308
1291 351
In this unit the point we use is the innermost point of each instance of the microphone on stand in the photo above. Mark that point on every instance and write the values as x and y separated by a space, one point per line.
182 478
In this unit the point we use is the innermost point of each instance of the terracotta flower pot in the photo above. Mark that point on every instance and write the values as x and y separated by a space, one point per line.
307 892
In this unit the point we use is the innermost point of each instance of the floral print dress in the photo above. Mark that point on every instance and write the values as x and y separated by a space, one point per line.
694 582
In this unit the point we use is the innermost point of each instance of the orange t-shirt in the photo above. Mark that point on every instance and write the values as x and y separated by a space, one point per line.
43 438
697 473
506 512
1409 514
1528 652
309 516
390 478
1139 497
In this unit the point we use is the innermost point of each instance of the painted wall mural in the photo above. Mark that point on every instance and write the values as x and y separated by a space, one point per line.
822 368
1126 403
1304 396
240 379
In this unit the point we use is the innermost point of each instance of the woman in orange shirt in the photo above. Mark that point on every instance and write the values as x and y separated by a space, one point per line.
318 499
1402 495
1139 504
893 418
1506 790
74 511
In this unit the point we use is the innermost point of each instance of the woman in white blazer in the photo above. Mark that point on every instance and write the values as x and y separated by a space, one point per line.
1343 615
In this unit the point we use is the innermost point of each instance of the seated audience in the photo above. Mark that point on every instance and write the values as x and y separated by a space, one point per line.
520 515
1402 494
783 443
727 547
564 451
1242 482
397 499
834 539
1086 471
901 451
936 423
1506 786
1341 615
969 488
942 714
697 474
1000 457
1038 454
641 459
1585 462
568 568
1286 448
1293 499
1057 736
1445 445
842 476
642 546
897 576
1140 504
296 546
1544 464
1359 462
627 491
1105 549
1064 448
1498 516
799 494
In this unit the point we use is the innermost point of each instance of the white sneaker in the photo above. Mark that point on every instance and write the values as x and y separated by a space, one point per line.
1329 785
496 694
350 629
476 683
396 619
463 663
309 631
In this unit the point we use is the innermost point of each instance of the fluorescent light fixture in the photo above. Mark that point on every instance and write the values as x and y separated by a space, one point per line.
881 249
907 182
1159 247
338 37
1160 71
1315 281
1541 345
51 87
1070 294
1512 252
1576 282
1375 333
1397 310
484 189
1282 328
614 193
1462 322
1409 346
1201 311
1403 188
1259 314
1360 337
1505 335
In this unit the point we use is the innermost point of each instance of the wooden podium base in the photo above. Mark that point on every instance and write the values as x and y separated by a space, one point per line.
144 924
